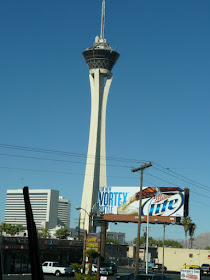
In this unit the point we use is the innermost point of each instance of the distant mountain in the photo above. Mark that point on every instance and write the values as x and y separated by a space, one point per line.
201 241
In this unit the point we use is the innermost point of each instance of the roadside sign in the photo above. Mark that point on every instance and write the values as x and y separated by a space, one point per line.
190 274
92 241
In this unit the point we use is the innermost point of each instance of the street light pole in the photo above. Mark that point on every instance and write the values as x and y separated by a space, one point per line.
89 216
79 227
141 168
85 237
90 223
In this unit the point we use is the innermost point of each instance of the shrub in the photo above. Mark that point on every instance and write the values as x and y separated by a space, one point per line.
76 267
79 276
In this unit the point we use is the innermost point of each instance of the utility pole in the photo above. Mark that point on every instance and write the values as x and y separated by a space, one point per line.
102 245
79 227
141 168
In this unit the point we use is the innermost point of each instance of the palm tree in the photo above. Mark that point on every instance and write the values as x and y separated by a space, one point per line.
44 233
12 230
61 233
91 254
5 227
19 228
1 228
186 222
192 227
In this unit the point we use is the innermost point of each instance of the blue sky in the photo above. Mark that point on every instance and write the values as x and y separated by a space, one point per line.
158 106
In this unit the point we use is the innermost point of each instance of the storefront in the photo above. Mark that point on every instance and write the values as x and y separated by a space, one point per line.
15 253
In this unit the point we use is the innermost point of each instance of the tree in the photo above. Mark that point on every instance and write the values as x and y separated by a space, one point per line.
142 240
10 229
77 267
192 228
173 244
91 254
112 241
61 233
4 227
186 222
19 228
168 243
44 233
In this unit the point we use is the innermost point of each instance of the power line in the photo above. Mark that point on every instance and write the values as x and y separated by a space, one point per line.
175 184
60 172
168 169
59 160
184 180
64 153
70 154
70 173
208 205
82 174
121 177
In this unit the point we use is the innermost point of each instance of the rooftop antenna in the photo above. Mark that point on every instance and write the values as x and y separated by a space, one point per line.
102 20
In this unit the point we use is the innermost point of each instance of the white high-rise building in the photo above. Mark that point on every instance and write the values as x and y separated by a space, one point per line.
100 59
64 209
44 204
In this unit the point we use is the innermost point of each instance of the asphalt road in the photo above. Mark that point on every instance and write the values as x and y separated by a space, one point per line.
173 275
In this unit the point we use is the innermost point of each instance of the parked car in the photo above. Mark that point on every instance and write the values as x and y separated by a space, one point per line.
103 270
205 268
111 267
191 266
151 264
49 267
158 266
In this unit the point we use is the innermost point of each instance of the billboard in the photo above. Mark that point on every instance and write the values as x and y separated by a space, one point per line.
192 274
157 201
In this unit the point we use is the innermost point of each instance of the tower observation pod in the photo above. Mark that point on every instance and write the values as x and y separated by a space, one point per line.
100 59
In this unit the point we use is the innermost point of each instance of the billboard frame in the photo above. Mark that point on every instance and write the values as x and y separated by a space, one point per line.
152 219
117 218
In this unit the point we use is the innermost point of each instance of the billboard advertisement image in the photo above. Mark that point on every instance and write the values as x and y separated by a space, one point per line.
158 201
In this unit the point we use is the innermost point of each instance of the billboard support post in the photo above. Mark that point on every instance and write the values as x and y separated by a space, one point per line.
147 234
164 230
142 167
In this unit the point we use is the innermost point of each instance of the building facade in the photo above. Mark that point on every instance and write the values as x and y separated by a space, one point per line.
119 236
44 203
64 210
15 252
176 258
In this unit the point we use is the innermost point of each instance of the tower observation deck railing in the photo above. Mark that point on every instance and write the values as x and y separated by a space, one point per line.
100 56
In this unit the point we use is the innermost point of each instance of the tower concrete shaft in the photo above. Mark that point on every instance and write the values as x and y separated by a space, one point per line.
95 174
100 59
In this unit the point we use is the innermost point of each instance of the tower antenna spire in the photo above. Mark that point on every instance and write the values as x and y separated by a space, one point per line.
102 20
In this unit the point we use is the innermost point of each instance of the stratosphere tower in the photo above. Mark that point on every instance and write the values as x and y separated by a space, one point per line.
100 59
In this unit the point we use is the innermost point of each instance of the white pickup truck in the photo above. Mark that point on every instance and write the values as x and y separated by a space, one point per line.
55 268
